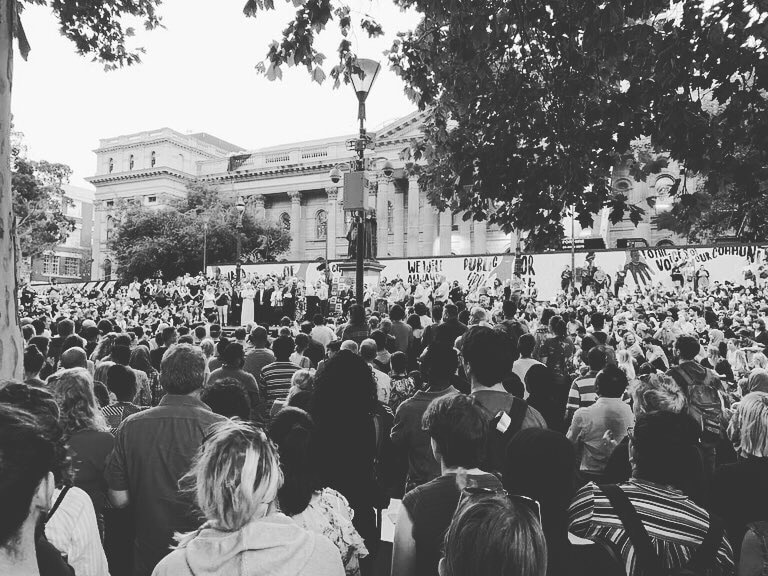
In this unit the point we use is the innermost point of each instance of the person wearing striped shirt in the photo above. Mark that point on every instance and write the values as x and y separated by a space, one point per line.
667 467
276 377
583 392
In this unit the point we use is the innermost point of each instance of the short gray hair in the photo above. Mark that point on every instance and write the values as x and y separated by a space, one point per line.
657 392
183 369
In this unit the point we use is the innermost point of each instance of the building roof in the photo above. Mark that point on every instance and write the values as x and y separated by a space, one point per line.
79 193
214 141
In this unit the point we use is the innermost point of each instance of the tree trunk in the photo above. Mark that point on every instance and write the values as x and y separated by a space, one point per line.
10 335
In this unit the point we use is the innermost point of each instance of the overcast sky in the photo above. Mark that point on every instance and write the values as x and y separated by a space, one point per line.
197 75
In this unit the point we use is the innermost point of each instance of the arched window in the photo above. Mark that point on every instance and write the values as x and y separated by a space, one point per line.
111 165
662 187
153 159
110 226
390 217
285 221
107 269
130 163
321 225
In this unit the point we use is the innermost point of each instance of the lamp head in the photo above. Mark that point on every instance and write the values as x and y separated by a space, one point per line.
335 175
388 169
240 205
364 72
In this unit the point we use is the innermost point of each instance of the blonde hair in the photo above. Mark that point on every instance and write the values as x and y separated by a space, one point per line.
750 424
759 360
624 361
73 391
235 476
657 392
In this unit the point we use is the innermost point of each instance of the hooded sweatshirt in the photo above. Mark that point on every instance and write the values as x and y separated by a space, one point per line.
271 546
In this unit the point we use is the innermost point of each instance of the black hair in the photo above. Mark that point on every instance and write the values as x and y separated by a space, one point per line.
72 341
318 320
65 327
169 335
200 332
459 427
33 360
283 347
611 382
597 358
240 334
526 344
186 339
486 352
440 361
42 343
122 340
509 308
399 362
121 355
121 381
687 346
233 355
228 398
396 313
292 430
420 309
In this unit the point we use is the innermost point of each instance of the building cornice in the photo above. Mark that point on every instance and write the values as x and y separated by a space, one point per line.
144 174
160 140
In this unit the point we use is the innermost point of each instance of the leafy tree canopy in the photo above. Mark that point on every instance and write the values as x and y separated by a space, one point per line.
532 104
170 239
39 204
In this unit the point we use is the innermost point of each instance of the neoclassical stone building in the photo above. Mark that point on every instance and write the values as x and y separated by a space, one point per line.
287 184
290 184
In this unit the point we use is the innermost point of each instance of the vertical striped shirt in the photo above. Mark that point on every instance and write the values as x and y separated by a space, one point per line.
675 524
276 380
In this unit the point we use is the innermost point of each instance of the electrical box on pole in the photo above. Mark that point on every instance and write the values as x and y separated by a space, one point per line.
355 191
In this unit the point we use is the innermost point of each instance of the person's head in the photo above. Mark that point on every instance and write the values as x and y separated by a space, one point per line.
73 341
558 326
450 311
207 347
73 390
485 355
399 362
33 361
121 355
73 358
540 381
318 320
183 369
357 314
228 398
240 334
368 350
750 424
306 327
438 363
302 342
396 313
332 348
457 427
380 338
494 535
687 347
349 345
551 481
140 360
437 313
509 309
65 327
663 449
759 360
27 331
420 309
236 475
170 336
200 333
597 358
28 457
215 331
283 347
598 321
478 315
656 392
611 382
259 337
233 356
292 430
345 392
526 345
121 381
414 321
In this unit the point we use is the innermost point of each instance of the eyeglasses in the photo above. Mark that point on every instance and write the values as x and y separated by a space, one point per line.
479 492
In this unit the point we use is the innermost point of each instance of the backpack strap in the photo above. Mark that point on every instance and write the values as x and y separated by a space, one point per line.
58 502
647 558
517 412
706 554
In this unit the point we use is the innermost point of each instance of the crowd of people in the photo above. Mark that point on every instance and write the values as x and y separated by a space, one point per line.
603 432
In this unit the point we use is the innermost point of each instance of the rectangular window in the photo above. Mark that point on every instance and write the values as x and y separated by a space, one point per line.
151 199
110 203
71 266
50 265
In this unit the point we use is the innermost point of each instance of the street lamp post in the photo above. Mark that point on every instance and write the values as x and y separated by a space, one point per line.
239 229
363 75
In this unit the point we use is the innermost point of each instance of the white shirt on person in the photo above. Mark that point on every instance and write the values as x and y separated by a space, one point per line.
521 367
73 531
323 334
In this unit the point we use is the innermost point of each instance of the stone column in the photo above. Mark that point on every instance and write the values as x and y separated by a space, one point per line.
382 233
398 224
413 216
332 233
465 233
99 222
296 232
255 205
428 218
481 234
445 233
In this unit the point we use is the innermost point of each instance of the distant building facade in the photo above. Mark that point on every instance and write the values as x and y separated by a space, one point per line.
289 185
70 261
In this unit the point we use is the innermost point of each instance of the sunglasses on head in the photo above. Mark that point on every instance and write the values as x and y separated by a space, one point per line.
480 492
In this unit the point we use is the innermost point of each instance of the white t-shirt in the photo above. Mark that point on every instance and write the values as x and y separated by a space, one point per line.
323 335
